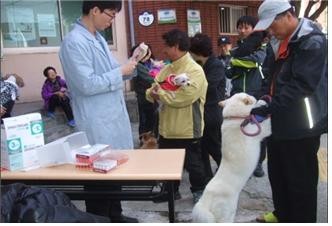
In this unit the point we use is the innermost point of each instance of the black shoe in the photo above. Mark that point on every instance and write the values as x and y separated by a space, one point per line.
259 172
164 198
123 219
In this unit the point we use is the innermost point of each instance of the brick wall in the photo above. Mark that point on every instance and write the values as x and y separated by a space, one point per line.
209 11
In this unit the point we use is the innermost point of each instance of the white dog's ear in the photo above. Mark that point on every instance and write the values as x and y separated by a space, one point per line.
222 103
247 100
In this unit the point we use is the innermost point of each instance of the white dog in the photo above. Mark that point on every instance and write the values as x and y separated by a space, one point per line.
240 155
172 83
181 80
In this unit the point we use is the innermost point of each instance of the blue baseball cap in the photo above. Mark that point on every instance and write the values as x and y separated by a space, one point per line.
224 40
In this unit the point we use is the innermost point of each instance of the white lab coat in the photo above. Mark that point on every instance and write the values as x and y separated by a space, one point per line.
95 84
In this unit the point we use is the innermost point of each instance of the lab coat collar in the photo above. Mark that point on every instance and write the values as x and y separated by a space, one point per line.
94 39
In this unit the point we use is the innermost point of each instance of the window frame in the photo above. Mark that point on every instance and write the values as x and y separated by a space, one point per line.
245 8
51 49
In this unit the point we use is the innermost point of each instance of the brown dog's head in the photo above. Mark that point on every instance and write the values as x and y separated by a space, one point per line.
148 140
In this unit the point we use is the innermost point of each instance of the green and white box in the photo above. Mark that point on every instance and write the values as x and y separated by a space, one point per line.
19 138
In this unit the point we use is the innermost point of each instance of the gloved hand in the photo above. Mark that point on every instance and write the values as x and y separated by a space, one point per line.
263 111
259 118
264 100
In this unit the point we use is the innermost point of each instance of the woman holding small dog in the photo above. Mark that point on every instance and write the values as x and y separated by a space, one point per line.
201 51
146 110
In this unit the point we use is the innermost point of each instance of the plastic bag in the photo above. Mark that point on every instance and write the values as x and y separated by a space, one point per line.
140 52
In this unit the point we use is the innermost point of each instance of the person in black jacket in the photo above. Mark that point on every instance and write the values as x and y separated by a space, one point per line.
245 70
224 55
147 111
21 203
201 51
298 86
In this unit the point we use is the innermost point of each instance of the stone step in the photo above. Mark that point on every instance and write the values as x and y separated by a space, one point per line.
60 119
54 133
25 108
57 128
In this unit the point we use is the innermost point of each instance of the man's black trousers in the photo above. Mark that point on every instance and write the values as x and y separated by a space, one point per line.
293 174
211 145
193 161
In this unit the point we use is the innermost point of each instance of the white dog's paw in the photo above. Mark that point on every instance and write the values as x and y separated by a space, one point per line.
201 214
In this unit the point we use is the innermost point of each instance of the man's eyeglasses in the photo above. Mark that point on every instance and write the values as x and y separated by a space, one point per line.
112 16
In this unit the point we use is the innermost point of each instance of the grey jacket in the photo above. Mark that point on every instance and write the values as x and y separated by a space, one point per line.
298 85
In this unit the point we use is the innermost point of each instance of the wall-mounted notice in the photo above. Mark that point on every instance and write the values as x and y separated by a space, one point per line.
46 25
166 16
194 22
22 26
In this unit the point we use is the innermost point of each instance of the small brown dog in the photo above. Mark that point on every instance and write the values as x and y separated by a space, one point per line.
19 79
148 140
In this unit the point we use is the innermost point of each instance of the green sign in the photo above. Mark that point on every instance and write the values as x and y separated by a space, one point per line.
14 146
166 16
36 127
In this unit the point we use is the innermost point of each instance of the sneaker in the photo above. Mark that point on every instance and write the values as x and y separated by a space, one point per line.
197 195
267 218
259 172
50 114
164 198
71 123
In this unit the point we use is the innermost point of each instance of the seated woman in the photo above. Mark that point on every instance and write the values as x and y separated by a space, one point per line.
54 93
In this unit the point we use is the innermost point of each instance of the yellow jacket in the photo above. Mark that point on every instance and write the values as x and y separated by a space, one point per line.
182 114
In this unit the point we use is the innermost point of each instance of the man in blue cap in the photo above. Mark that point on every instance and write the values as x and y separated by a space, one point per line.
298 86
224 55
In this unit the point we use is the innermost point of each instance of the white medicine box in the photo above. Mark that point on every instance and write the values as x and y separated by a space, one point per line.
20 136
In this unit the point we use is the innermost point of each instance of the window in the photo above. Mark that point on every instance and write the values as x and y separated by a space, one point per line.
30 24
41 23
229 16
70 11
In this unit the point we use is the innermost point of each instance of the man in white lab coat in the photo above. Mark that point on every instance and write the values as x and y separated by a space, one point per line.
95 81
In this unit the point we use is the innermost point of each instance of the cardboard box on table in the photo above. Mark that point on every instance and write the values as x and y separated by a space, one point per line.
65 149
20 136
22 145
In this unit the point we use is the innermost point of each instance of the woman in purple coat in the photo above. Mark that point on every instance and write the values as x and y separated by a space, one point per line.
54 93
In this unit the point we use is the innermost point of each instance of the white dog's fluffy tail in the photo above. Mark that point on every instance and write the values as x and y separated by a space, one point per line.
201 214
